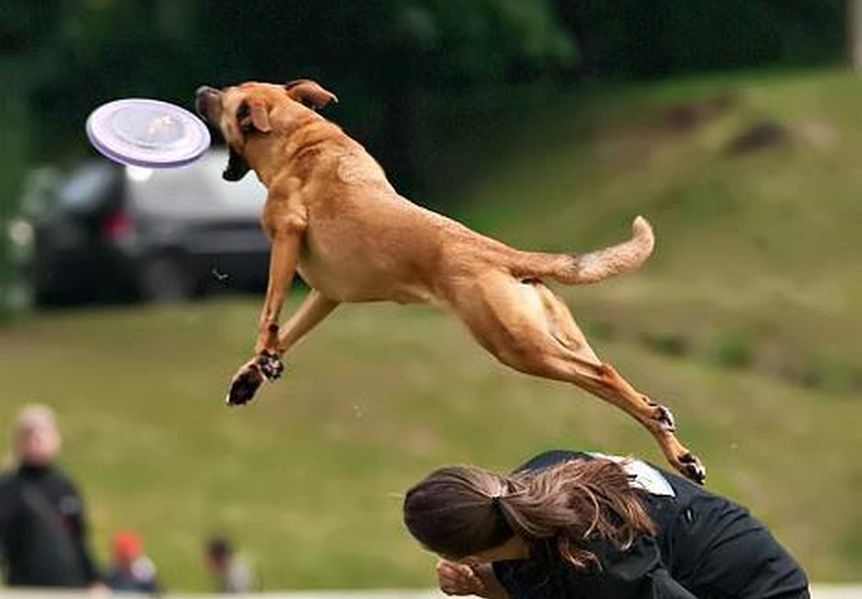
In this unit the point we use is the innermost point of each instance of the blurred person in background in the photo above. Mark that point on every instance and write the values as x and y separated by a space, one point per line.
587 526
43 530
230 572
130 569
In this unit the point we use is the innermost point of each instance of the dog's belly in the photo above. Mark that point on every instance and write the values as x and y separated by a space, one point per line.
352 278
361 248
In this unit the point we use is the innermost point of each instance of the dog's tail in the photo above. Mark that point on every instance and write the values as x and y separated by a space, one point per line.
593 266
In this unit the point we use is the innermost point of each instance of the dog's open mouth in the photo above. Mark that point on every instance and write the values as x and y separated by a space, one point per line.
236 167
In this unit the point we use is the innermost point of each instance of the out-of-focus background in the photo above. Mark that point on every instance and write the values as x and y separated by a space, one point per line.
129 297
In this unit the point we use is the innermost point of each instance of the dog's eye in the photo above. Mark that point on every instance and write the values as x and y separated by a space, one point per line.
243 114
243 111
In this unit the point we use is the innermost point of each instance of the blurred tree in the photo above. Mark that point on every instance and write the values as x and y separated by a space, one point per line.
21 64
659 37
854 33
380 53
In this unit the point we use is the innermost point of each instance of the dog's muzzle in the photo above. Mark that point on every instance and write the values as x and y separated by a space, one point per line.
205 98
207 105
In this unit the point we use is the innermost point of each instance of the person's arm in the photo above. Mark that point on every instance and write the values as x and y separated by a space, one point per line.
665 587
8 505
637 573
79 531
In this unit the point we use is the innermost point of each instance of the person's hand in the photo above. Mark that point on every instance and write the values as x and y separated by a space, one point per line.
458 579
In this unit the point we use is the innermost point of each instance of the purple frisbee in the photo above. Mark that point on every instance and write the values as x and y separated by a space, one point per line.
148 133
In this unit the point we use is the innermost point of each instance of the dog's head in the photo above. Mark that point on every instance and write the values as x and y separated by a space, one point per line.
252 112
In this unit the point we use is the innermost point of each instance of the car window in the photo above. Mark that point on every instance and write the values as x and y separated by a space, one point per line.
196 190
88 187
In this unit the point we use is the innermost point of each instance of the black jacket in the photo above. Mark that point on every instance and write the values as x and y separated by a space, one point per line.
43 530
706 548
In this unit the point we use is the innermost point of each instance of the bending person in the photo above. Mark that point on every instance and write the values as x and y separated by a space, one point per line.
569 524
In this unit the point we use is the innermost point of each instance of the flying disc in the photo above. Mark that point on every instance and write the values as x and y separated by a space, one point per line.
148 133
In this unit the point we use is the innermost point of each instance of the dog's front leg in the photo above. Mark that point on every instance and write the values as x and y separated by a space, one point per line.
266 365
282 265
286 233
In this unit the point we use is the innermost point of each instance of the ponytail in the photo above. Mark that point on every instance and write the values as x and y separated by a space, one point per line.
575 502
462 511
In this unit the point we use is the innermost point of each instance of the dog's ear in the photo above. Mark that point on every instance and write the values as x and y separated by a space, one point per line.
310 93
252 115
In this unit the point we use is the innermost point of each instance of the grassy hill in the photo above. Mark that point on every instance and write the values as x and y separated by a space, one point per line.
757 252
743 323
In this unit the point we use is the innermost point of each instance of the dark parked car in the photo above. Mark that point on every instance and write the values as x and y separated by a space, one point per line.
111 232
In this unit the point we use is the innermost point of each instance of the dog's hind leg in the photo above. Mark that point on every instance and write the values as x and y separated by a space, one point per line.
267 365
566 331
527 327
313 310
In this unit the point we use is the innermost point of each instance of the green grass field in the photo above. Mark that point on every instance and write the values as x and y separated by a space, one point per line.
743 323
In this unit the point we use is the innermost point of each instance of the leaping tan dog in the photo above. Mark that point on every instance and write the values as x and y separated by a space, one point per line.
332 215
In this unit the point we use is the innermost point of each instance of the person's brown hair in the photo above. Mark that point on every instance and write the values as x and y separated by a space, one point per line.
463 510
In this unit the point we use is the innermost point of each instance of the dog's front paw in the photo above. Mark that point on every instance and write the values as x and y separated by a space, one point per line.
270 365
245 384
266 366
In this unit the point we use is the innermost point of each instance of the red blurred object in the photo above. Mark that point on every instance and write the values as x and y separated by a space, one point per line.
126 545
116 225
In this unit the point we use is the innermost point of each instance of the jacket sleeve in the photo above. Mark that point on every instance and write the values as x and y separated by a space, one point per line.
637 573
7 507
665 587
79 532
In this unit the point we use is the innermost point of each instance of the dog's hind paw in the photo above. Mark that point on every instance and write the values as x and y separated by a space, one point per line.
665 418
692 468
